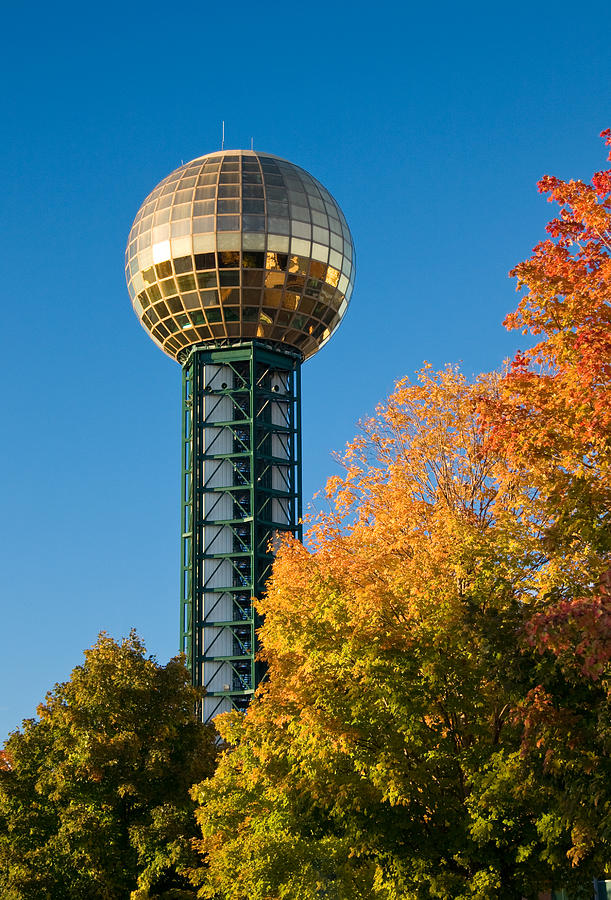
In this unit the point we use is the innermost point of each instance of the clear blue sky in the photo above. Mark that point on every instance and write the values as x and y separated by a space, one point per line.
429 124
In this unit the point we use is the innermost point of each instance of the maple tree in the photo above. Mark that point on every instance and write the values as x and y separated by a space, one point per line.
94 798
384 758
436 721
552 414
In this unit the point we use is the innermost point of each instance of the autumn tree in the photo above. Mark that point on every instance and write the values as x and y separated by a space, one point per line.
436 721
383 758
94 796
552 414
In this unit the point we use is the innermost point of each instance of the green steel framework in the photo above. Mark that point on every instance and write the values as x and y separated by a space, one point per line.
241 485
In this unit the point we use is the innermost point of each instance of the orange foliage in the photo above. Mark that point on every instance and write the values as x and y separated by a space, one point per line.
553 410
577 631
419 522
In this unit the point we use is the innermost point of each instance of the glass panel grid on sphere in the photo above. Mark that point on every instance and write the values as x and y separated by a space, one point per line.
240 245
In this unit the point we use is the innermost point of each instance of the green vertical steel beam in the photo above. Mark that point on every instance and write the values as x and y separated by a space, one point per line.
186 523
241 484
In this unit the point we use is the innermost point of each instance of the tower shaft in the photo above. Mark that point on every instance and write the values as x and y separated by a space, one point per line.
241 485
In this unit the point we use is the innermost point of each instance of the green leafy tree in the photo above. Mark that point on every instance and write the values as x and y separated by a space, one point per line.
94 798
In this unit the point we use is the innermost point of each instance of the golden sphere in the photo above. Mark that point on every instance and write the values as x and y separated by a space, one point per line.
238 245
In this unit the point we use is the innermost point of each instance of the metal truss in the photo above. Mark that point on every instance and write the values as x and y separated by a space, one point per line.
241 485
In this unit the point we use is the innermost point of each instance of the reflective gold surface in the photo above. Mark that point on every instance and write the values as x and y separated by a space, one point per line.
240 244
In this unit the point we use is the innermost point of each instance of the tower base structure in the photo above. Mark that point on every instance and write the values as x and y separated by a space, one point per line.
241 487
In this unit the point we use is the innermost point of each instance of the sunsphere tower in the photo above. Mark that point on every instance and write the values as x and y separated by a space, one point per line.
239 265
